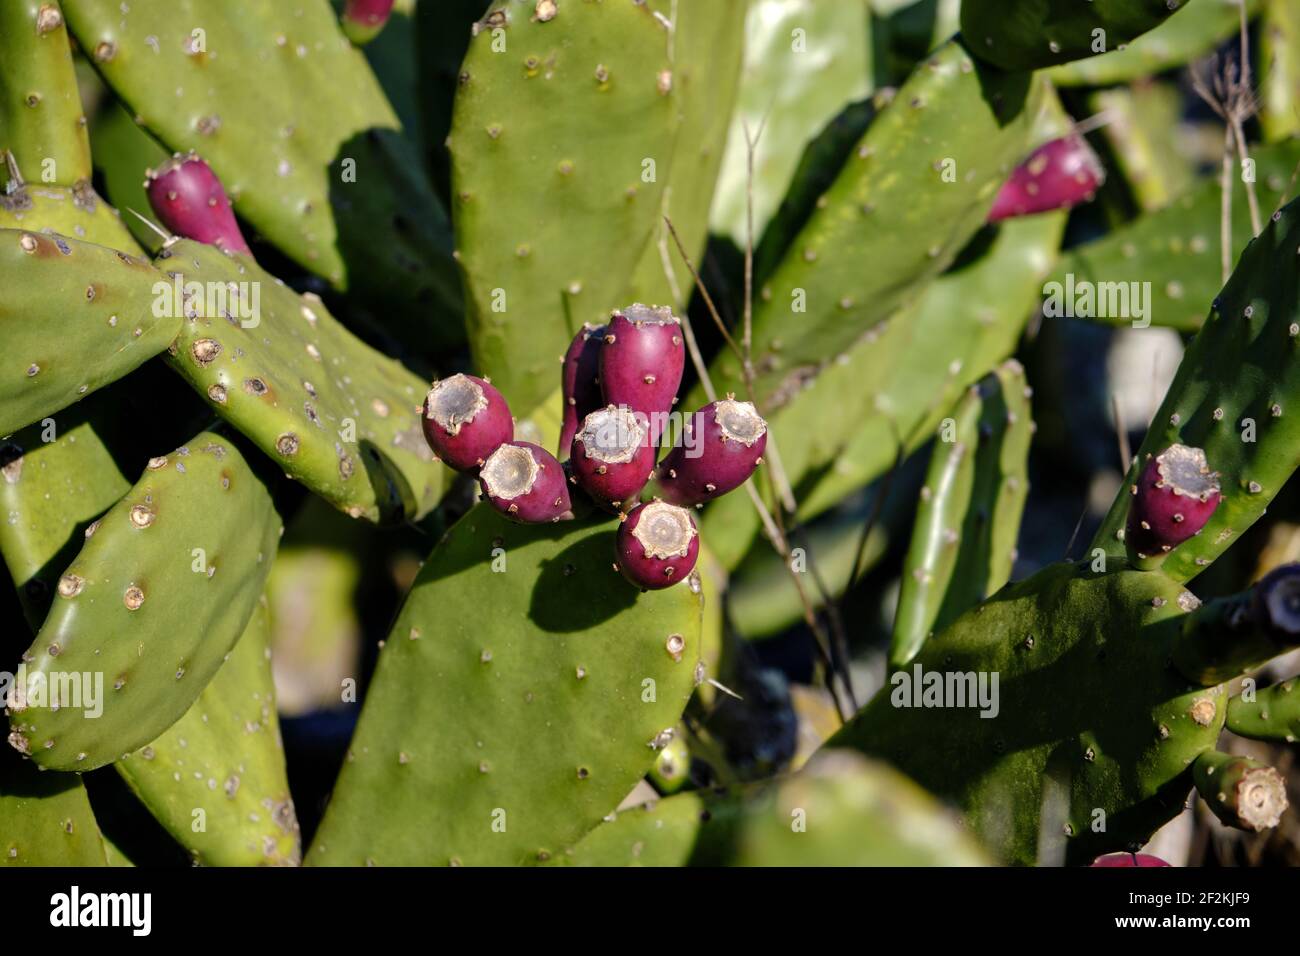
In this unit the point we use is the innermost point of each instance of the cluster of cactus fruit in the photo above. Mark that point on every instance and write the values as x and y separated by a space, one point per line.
453 192
620 384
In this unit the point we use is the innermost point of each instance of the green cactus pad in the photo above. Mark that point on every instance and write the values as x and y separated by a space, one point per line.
885 391
1279 38
661 833
41 119
1274 714
123 154
224 757
1176 42
519 696
334 413
1231 397
291 118
158 595
843 810
50 491
45 818
555 127
1155 164
1176 250
78 212
839 810
1031 34
804 61
707 48
952 118
101 299
964 541
1090 719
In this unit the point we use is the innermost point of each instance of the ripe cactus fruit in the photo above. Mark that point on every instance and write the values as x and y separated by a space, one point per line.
1242 792
1173 498
1128 859
724 444
363 19
581 382
466 420
525 483
657 545
1236 377
642 360
189 199
1058 175
612 456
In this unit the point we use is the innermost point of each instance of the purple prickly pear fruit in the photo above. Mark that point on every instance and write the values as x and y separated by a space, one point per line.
465 420
1129 860
641 362
1172 500
525 483
657 545
1059 175
189 199
581 381
723 444
612 457
363 19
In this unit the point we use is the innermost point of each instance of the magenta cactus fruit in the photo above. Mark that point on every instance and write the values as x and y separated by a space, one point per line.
363 19
1172 500
641 362
1059 175
723 444
1128 860
188 198
657 545
465 420
525 483
581 382
612 457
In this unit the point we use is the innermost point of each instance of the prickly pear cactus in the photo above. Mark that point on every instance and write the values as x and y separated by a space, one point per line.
1039 33
507 714
45 818
1033 768
953 118
59 476
216 778
968 520
628 327
41 121
147 611
323 176
582 108
104 298
1231 397
334 413
839 810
